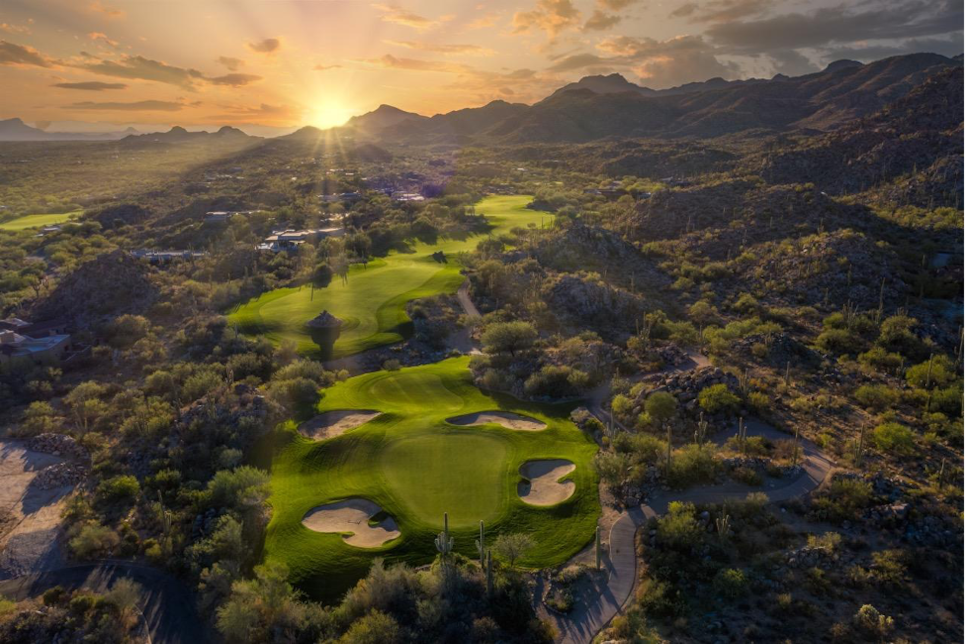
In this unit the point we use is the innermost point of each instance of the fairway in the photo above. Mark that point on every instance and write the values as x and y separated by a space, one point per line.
372 304
38 221
414 465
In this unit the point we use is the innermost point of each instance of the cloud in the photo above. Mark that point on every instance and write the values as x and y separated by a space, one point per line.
91 86
550 16
263 113
96 35
475 50
416 65
721 10
229 63
141 68
839 24
322 68
234 80
16 29
601 21
137 106
615 5
579 61
266 46
14 54
397 15
110 12
484 21
866 52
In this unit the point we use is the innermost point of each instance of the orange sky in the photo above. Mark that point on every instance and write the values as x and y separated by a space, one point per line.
285 63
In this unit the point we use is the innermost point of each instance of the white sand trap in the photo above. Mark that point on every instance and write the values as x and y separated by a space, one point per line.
352 516
543 485
334 423
505 418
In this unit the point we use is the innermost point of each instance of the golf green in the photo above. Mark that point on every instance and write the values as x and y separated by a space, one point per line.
36 221
372 303
415 466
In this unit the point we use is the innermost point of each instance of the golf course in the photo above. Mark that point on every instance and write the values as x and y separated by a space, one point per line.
379 489
37 221
372 303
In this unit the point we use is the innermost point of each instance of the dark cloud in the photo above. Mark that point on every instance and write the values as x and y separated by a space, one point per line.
839 24
601 21
91 86
141 68
137 106
945 46
229 63
267 46
577 61
684 10
14 54
722 10
234 80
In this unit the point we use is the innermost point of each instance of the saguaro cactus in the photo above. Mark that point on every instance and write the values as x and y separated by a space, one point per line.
597 546
444 542
480 544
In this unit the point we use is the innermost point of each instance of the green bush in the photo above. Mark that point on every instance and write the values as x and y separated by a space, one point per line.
877 397
118 488
938 372
679 529
93 541
730 583
718 399
836 341
693 464
894 438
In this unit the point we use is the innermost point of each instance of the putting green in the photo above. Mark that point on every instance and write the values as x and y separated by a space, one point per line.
373 301
416 466
36 221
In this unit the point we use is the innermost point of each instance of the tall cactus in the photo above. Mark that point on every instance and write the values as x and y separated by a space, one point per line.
481 544
723 524
597 544
444 542
742 434
702 431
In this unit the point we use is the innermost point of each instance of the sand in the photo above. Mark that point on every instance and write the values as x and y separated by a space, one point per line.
505 418
335 423
543 485
352 516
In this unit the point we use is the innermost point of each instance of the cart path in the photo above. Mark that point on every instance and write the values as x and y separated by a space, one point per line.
594 610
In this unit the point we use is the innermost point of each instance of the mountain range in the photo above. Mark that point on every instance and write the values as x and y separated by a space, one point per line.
600 107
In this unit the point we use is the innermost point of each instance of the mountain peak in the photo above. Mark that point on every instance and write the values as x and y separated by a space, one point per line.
177 129
845 63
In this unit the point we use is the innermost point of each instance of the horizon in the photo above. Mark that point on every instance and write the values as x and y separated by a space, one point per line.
277 66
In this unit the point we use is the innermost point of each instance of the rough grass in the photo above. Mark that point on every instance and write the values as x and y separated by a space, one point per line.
37 221
416 466
372 303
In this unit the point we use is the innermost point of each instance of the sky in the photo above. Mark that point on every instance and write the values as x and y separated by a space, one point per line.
101 65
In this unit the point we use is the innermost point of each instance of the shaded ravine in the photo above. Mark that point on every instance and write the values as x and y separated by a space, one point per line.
167 605
592 613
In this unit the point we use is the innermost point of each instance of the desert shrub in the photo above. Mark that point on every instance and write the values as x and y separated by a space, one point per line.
889 567
844 499
746 475
509 337
894 438
117 489
937 372
877 397
693 464
730 583
871 622
680 529
759 401
879 358
836 341
718 399
94 540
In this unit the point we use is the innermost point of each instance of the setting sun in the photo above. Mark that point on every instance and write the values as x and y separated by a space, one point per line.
329 113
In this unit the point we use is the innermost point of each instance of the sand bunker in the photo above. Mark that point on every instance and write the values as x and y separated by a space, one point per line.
543 485
505 418
352 516
334 423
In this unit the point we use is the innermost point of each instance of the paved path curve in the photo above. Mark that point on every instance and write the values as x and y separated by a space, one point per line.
595 610
463 295
166 603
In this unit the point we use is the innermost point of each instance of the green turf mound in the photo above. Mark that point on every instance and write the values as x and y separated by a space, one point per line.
413 465
372 303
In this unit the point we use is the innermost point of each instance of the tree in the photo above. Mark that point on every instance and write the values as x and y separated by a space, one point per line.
660 407
511 547
85 403
717 398
894 438
509 337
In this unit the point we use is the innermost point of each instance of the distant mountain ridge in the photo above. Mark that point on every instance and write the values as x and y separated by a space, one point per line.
16 130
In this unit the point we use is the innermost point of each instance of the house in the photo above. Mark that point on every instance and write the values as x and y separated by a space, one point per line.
290 240
165 256
407 196
222 216
45 343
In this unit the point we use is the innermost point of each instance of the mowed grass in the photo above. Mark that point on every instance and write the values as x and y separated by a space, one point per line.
372 304
38 221
416 466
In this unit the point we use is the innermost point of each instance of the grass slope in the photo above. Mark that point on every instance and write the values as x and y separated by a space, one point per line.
37 221
416 466
373 302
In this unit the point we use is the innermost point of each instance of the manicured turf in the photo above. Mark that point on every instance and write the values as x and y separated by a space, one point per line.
37 221
416 466
372 304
